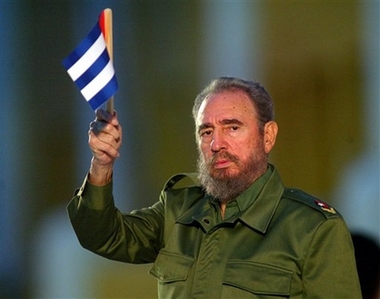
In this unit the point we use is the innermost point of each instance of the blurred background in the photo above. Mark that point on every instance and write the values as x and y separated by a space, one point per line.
318 59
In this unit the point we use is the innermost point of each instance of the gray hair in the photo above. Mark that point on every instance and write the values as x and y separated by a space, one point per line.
256 92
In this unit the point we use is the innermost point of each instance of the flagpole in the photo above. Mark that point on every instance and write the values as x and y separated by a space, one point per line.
109 42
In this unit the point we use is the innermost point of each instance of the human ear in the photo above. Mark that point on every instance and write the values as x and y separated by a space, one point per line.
270 134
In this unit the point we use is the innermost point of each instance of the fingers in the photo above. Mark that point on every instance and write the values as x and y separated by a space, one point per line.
103 115
105 137
105 131
104 152
105 122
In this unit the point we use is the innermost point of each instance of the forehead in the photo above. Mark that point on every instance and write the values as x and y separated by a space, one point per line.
227 104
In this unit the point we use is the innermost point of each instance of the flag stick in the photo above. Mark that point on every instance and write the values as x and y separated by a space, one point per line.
109 42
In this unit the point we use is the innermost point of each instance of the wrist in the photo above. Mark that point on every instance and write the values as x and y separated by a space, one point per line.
100 175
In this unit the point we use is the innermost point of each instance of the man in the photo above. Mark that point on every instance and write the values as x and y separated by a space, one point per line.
238 233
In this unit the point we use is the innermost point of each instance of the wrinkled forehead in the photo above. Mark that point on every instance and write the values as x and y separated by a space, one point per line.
226 104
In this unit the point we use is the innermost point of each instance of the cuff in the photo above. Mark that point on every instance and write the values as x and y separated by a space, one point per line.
95 197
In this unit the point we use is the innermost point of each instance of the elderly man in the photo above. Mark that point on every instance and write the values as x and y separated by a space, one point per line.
237 231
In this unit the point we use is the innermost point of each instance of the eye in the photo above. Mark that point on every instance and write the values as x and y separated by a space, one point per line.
234 128
205 133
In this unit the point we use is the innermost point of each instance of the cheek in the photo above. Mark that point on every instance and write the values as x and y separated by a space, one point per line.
203 149
242 154
203 145
245 149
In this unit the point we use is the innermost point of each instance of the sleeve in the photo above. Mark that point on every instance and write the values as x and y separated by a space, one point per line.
101 228
330 267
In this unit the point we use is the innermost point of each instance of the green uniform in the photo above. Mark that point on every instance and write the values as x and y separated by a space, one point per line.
273 242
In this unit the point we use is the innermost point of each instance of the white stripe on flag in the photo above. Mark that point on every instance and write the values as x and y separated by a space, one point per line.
98 82
88 58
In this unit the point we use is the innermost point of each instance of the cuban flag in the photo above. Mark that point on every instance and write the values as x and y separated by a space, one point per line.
91 68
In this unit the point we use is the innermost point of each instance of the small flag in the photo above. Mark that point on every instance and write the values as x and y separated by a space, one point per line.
90 67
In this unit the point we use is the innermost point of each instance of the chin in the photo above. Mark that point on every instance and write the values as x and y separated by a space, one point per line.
224 173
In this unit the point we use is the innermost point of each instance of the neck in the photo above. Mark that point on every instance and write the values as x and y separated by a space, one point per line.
222 209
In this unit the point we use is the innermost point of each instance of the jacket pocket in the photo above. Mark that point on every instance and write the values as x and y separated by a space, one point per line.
260 279
171 267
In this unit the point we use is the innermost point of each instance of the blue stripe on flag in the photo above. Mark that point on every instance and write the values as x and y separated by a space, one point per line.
91 68
104 94
93 71
83 47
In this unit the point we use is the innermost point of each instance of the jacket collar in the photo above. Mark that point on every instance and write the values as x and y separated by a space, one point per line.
260 213
257 215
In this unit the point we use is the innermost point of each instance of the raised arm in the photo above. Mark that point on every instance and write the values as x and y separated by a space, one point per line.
98 224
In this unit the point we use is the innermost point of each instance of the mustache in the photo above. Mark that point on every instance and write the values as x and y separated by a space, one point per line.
223 155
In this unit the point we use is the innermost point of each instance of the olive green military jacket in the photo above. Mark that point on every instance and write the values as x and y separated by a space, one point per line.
279 242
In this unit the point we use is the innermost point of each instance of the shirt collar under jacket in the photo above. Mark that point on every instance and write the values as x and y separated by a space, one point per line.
254 207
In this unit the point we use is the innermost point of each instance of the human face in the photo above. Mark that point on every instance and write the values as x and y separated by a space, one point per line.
232 150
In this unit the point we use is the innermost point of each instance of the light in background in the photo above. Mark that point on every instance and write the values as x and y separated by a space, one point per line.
359 189
229 40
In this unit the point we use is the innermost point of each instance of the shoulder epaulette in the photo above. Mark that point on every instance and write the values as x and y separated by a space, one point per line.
171 182
311 201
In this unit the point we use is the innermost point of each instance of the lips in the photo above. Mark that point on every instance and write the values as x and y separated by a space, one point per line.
223 163
223 160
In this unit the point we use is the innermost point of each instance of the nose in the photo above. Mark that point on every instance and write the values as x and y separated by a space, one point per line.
218 142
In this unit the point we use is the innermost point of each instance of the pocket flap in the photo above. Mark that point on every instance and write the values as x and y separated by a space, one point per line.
170 267
258 278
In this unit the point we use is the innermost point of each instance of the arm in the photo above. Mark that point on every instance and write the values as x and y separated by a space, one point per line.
330 267
104 230
98 224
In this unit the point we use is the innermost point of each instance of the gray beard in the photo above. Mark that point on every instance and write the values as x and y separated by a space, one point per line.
225 187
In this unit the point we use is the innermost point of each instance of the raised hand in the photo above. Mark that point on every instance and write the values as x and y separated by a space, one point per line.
105 138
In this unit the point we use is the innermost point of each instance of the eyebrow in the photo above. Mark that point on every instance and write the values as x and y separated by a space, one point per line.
205 126
232 121
227 121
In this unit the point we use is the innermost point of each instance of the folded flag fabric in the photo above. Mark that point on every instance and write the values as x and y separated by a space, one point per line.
91 68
